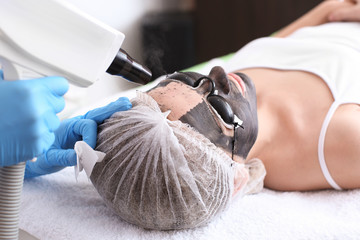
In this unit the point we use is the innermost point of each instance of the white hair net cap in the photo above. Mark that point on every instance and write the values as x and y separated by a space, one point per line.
161 174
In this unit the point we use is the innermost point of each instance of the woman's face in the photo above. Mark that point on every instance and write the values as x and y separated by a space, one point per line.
192 105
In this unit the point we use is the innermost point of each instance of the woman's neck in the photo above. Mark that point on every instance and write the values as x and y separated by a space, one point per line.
287 114
268 123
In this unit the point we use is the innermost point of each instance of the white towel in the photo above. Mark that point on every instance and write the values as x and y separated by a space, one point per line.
57 207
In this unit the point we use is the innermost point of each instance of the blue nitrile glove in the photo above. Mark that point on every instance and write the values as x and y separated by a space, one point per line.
61 153
28 117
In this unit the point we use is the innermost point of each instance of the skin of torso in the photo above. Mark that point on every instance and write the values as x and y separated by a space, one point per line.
292 106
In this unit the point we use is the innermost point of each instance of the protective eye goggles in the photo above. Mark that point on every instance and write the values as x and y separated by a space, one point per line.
222 107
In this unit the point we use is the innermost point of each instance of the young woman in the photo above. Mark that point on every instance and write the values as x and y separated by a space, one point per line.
187 146
308 99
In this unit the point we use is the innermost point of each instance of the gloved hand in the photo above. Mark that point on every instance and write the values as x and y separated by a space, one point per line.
61 153
28 117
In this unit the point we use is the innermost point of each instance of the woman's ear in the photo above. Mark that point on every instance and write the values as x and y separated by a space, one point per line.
257 174
241 178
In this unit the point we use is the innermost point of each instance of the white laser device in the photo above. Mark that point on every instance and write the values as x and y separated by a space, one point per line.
52 37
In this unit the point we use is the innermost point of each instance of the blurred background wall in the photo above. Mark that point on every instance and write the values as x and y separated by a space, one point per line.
126 16
171 35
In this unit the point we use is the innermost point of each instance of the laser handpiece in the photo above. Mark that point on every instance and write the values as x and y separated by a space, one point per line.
127 67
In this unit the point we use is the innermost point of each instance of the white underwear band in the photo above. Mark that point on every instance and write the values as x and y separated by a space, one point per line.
321 146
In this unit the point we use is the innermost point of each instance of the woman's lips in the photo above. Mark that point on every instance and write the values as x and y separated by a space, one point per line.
238 79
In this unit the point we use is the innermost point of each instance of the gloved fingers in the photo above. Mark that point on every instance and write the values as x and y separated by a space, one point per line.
52 161
86 128
57 103
51 121
1 75
57 85
61 157
42 143
102 113
48 92
45 123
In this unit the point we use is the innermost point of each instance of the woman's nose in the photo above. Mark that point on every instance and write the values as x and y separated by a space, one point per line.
219 76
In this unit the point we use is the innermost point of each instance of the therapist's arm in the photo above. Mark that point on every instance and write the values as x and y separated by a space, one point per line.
316 16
